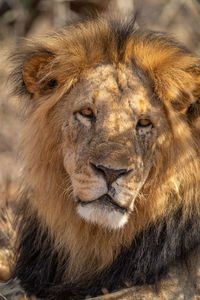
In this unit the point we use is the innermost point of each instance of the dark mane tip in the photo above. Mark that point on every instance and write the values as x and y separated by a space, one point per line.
123 29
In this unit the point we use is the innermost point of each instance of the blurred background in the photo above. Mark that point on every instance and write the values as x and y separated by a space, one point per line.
27 18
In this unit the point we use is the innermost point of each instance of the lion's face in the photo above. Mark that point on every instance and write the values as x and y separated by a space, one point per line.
109 137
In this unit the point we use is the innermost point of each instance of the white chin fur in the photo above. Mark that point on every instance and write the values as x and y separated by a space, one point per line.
111 219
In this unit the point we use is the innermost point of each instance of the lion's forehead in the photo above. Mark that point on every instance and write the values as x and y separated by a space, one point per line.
119 87
119 98
113 77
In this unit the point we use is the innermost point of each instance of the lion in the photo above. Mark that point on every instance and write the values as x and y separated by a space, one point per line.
111 158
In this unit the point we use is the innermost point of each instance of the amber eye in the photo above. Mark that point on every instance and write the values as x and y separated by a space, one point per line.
144 123
87 113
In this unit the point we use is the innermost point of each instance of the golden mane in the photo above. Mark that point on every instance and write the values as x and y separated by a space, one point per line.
167 205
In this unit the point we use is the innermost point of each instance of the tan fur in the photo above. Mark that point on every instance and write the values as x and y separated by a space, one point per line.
73 57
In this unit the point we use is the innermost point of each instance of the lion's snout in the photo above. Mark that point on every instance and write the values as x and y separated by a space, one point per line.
110 208
110 174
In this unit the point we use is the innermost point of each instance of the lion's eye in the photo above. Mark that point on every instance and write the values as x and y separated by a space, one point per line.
87 113
144 123
85 116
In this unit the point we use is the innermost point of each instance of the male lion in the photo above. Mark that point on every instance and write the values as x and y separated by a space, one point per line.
111 152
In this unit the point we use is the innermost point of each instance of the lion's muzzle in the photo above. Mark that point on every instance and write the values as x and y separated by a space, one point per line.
105 194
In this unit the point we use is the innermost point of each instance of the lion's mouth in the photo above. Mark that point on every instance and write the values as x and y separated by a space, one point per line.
104 201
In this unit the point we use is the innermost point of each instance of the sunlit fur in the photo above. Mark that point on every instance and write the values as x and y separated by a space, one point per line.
173 181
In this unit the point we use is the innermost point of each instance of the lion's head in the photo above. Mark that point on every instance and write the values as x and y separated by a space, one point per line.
110 146
111 125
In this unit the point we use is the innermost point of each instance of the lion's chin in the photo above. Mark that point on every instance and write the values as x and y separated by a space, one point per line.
103 216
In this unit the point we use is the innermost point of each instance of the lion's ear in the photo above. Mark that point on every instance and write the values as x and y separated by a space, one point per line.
35 73
193 111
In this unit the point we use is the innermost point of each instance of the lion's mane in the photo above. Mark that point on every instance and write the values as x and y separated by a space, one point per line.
60 256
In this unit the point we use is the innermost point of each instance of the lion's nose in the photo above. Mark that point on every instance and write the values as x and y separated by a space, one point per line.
109 174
